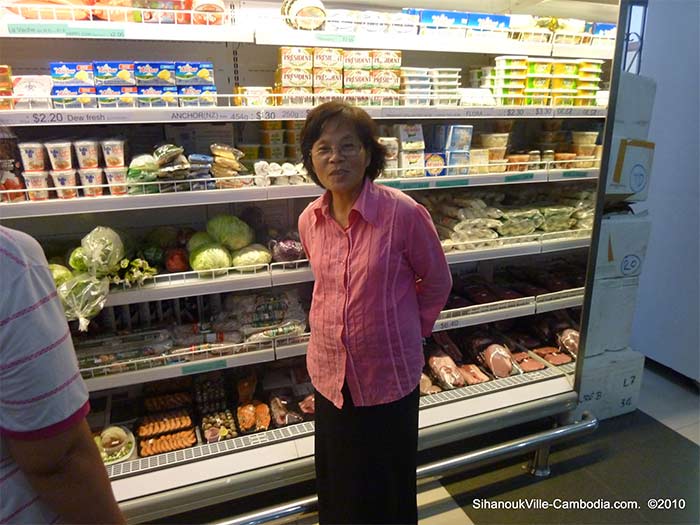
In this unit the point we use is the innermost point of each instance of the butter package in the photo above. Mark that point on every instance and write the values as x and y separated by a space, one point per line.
435 164
410 136
294 77
358 97
295 96
194 73
328 78
330 57
157 96
197 96
295 57
322 95
357 59
357 79
71 97
412 164
253 96
114 73
385 59
385 78
116 96
72 73
154 73
385 97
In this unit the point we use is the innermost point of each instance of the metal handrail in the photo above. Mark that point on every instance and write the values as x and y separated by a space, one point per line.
473 459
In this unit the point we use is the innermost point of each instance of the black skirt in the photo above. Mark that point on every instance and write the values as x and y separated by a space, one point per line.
366 461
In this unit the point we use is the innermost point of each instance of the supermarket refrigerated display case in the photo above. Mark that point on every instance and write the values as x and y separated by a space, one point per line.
243 53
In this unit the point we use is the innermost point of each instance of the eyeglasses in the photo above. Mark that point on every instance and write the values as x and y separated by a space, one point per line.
347 150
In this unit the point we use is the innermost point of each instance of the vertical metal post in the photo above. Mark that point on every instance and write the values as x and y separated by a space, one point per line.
539 464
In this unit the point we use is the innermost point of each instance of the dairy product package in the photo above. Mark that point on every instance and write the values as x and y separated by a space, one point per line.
357 79
253 96
198 95
357 59
32 91
116 96
410 136
295 57
328 78
120 73
157 96
154 73
194 73
412 164
386 59
435 164
385 78
295 96
328 57
71 97
72 73
294 77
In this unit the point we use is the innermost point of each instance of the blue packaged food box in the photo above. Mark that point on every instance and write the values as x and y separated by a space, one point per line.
605 30
154 73
440 18
487 21
72 73
116 96
71 97
157 96
459 137
439 138
435 164
197 95
194 73
458 158
114 73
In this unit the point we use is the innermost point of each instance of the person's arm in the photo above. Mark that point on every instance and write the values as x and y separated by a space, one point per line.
67 473
426 257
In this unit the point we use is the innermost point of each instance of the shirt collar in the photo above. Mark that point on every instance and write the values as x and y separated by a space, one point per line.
365 205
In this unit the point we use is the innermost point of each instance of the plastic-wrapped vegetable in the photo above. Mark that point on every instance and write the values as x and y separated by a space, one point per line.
77 260
60 274
286 250
520 221
142 168
83 297
251 258
288 329
167 153
556 218
210 257
230 231
103 250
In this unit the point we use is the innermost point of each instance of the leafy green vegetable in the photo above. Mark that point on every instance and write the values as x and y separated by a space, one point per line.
210 257
252 256
199 239
60 274
153 254
103 250
163 236
83 297
230 231
78 260
133 272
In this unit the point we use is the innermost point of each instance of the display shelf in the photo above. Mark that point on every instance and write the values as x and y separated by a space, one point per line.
291 273
559 300
568 368
226 111
572 174
598 51
484 313
291 347
193 361
188 284
500 248
561 241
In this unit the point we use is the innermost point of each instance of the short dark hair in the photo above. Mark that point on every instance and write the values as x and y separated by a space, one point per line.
358 118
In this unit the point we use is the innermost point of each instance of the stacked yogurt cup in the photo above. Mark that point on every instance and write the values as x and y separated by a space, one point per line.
509 80
589 73
564 82
415 86
445 84
538 84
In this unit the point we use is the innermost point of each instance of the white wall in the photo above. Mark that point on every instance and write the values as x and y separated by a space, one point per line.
667 317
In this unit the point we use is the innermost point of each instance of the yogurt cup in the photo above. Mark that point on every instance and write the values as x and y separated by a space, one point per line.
590 64
65 183
87 152
60 155
564 82
113 152
32 155
422 71
563 97
511 62
447 71
497 153
38 185
565 67
497 166
116 178
538 82
91 181
584 137
588 85
583 100
539 66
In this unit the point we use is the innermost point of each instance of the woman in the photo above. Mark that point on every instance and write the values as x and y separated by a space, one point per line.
381 280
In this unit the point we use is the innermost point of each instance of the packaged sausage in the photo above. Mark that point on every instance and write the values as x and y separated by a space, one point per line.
295 57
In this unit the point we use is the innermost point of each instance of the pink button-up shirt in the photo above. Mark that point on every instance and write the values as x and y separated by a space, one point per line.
380 284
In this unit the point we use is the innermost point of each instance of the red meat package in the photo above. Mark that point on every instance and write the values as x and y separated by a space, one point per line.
473 375
527 363
426 386
444 370
448 346
497 359
282 410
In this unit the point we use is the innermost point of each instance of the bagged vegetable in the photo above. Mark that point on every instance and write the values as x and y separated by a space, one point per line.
210 257
230 231
60 274
251 258
77 260
83 297
142 168
167 153
103 249
557 218
288 329
286 250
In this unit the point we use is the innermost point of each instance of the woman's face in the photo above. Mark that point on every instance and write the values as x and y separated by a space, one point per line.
339 159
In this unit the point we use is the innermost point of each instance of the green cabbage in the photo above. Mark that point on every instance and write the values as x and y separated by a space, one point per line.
163 236
104 250
78 260
253 257
210 257
60 274
199 239
230 231
83 297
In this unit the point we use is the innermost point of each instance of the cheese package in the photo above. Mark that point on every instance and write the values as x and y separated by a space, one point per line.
114 73
294 77
154 73
357 79
72 73
330 57
322 95
385 78
116 96
157 96
385 97
410 136
358 97
435 164
391 145
385 59
67 97
295 57
32 91
412 164
6 101
357 59
253 96
328 78
460 159
194 73
295 96
197 95
459 137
